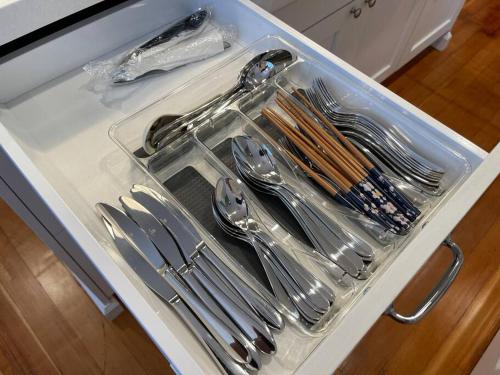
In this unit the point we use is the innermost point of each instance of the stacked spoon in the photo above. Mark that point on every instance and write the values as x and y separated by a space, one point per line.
304 296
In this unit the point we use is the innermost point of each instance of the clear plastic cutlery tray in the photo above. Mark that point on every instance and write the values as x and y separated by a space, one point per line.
187 170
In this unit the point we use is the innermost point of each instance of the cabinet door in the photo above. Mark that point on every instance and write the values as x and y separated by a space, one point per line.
339 33
384 25
436 17
303 14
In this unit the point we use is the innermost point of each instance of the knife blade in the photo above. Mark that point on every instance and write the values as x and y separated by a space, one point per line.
188 239
250 325
156 232
162 209
232 342
161 288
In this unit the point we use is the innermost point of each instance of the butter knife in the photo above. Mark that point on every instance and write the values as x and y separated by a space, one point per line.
166 238
163 280
161 208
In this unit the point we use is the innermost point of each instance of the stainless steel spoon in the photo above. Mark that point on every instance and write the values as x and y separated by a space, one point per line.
257 71
232 204
257 163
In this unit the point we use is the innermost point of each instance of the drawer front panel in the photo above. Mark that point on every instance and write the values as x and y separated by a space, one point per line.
302 14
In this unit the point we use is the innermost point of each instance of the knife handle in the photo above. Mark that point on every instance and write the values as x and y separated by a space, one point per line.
250 325
229 340
258 303
216 351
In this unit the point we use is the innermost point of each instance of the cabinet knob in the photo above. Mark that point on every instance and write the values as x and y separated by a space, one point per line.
371 3
356 12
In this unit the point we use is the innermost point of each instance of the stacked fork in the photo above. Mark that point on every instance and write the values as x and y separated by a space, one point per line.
350 175
384 146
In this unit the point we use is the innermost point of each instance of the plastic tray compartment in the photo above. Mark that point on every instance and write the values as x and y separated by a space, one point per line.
188 169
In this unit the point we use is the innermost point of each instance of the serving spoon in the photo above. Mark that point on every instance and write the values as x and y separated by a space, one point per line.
258 70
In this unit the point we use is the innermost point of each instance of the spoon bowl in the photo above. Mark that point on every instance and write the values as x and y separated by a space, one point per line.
257 71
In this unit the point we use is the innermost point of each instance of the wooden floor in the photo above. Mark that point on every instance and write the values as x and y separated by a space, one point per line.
49 326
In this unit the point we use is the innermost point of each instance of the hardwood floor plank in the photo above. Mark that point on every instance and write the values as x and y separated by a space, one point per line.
485 13
488 137
37 257
434 105
466 344
96 333
460 120
119 347
50 328
140 345
20 351
411 90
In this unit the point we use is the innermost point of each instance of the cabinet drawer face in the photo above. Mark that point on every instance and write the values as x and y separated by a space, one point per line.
57 134
302 14
339 32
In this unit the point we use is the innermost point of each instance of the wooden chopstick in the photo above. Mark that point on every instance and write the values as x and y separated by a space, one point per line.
310 152
353 149
308 171
343 160
324 135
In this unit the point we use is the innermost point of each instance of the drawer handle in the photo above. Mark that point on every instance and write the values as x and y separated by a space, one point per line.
371 3
437 293
356 12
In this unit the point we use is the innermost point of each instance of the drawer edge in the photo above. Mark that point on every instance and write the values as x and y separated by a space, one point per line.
380 295
169 345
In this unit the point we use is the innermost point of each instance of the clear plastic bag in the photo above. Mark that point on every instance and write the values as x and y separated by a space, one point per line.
181 43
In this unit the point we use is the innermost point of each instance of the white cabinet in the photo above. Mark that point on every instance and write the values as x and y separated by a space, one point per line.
375 36
54 133
435 20
384 24
302 14
340 32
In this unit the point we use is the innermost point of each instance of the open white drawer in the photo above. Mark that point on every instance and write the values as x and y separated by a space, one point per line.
55 131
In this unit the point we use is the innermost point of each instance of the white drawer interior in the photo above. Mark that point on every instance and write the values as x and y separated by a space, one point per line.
63 129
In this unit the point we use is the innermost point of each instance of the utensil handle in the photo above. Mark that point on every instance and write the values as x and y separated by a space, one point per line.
308 285
250 325
172 130
276 285
229 340
260 305
328 246
215 350
296 295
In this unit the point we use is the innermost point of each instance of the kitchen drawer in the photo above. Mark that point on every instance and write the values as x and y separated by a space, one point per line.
56 130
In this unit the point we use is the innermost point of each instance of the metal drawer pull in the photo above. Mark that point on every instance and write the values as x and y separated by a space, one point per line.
356 12
439 290
371 3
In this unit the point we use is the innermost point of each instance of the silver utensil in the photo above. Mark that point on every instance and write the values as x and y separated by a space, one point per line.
186 28
189 238
310 296
257 165
390 147
257 71
166 240
151 268
285 290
